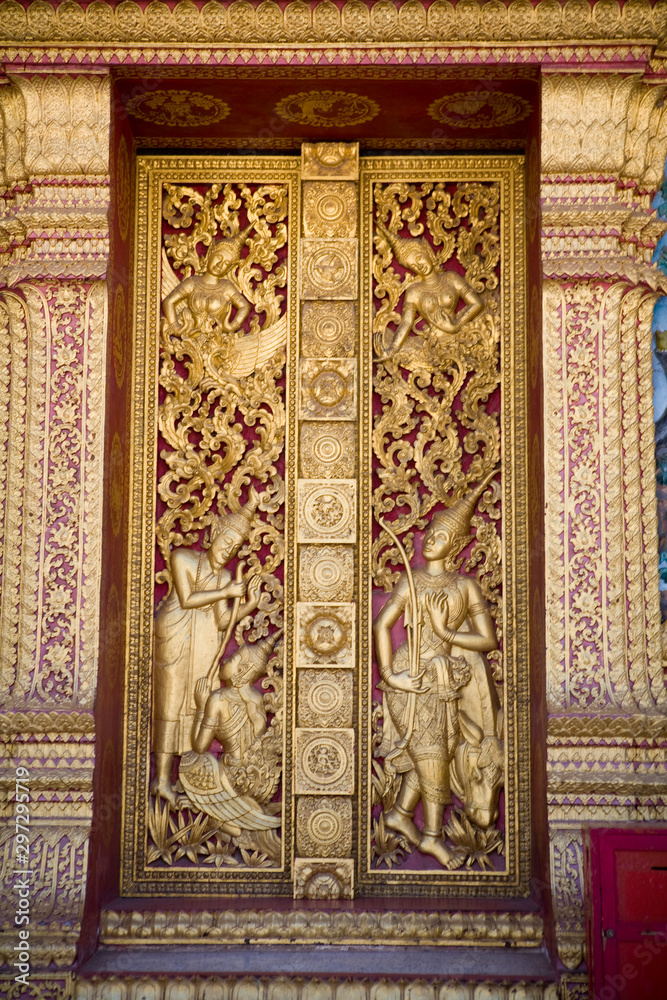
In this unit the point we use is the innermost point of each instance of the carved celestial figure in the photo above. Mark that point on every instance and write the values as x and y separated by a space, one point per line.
434 296
190 626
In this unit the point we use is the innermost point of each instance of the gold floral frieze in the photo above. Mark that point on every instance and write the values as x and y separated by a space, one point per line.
322 926
269 24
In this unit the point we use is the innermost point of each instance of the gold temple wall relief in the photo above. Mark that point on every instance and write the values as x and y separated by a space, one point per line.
327 685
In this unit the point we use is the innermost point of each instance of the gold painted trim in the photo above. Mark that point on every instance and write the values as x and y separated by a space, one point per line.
312 986
492 928
268 26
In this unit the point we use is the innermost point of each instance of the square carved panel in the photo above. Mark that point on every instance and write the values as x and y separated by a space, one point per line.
324 761
326 572
328 389
328 450
327 510
325 634
329 269
328 329
323 826
325 697
330 209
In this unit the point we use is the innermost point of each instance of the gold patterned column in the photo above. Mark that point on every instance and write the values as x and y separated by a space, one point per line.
327 522
603 149
53 253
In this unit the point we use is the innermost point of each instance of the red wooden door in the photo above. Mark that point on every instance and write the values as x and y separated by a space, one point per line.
627 925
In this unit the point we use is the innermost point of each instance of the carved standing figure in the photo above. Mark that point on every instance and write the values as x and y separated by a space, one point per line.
192 626
434 296
437 689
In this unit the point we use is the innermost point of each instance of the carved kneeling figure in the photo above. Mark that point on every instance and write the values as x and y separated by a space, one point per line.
233 715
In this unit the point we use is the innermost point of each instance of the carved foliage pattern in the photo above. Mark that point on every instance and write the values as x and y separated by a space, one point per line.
603 647
603 124
567 880
59 858
52 518
66 123
219 440
434 396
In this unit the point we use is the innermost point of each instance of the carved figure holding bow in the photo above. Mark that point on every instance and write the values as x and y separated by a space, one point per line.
437 688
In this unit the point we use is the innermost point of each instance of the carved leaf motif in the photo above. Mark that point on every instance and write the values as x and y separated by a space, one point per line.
434 392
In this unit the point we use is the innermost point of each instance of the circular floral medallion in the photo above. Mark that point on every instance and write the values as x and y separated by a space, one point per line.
325 698
327 510
328 268
325 573
325 827
324 761
329 329
479 109
325 636
175 108
328 388
327 449
327 108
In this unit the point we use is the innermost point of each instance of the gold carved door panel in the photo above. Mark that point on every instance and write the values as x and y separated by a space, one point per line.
327 677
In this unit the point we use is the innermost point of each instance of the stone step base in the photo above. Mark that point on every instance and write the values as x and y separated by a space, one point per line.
294 972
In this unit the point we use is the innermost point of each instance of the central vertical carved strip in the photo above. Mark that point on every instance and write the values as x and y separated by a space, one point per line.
327 522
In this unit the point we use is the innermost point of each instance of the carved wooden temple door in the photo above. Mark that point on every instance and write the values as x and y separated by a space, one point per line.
328 666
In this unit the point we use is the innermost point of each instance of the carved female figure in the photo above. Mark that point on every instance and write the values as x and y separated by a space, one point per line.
210 303
190 627
434 296
427 709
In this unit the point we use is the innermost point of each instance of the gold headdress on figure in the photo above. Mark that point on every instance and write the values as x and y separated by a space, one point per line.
230 246
403 247
240 521
457 518
249 662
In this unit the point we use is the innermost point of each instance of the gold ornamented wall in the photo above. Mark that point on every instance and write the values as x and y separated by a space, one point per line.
598 238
